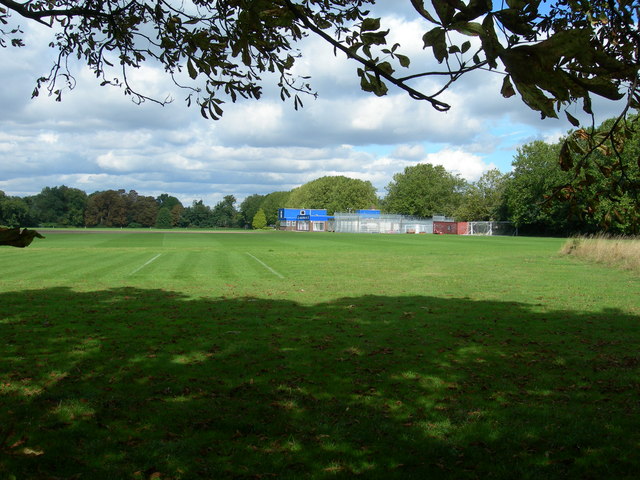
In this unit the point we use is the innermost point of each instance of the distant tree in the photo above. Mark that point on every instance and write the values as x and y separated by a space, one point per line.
335 194
483 200
424 190
107 209
259 220
271 203
61 205
197 215
14 211
606 188
604 194
168 201
142 210
249 207
164 220
176 214
535 174
224 213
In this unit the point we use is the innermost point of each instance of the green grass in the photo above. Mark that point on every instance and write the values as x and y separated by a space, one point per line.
188 356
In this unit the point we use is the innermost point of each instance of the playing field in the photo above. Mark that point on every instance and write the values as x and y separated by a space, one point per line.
296 355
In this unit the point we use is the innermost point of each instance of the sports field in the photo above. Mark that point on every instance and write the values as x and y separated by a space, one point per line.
131 355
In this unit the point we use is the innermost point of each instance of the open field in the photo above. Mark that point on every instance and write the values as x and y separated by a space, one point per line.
285 355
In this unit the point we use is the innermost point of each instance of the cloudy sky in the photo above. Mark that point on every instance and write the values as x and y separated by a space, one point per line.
97 139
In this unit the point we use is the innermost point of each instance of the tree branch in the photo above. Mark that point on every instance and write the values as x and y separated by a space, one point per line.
413 93
38 16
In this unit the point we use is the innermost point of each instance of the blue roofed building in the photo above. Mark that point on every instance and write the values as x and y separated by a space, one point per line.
304 219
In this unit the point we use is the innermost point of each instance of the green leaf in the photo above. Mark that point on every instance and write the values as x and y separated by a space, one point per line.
465 46
436 39
536 100
370 25
472 29
419 6
404 60
375 38
507 89
193 73
444 10
386 68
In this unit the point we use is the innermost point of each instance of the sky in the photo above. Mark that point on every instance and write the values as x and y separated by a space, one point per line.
98 139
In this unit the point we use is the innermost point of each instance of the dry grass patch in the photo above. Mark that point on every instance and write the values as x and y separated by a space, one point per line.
622 252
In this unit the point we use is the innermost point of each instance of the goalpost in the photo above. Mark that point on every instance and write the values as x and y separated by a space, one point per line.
492 228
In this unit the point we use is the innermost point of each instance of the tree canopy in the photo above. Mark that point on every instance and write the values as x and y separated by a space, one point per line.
335 194
551 54
424 190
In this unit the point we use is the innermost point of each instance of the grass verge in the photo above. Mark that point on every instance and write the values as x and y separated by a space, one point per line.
619 252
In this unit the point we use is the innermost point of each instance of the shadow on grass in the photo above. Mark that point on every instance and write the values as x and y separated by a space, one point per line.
131 383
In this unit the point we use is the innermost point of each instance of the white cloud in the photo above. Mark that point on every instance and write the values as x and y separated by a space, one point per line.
467 165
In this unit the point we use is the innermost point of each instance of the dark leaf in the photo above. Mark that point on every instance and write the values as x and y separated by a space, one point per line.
370 25
574 121
15 238
404 60
566 160
507 88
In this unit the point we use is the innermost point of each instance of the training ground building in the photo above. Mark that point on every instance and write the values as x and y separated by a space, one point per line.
304 220
373 221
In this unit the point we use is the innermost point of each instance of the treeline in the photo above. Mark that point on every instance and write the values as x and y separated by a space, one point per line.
538 196
70 207
64 206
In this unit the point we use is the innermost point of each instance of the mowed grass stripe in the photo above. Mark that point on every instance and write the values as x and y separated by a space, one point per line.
188 265
277 274
148 262
101 266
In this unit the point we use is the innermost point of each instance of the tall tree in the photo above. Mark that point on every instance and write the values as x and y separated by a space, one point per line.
197 215
483 200
163 219
424 190
271 203
143 210
176 214
168 201
249 207
335 194
224 213
602 194
107 209
259 220
534 176
14 211
61 205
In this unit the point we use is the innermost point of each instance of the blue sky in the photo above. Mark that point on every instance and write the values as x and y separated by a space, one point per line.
97 139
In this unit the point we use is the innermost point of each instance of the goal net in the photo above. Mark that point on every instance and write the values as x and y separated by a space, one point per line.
491 228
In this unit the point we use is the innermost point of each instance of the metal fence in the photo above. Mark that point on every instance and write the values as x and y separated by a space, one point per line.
383 223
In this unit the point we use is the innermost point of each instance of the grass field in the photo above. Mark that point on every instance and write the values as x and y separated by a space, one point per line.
285 355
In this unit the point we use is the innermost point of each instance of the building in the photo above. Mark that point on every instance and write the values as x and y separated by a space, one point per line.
304 219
